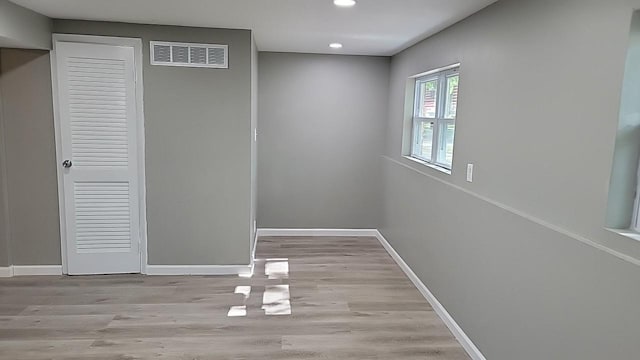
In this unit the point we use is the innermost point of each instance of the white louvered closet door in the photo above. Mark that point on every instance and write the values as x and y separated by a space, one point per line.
97 113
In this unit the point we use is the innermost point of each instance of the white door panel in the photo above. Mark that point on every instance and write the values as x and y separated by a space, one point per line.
97 108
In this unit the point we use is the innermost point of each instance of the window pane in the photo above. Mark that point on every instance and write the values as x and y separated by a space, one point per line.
445 153
452 97
422 147
427 98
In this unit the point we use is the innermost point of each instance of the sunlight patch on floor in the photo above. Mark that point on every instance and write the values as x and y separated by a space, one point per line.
277 268
236 311
276 300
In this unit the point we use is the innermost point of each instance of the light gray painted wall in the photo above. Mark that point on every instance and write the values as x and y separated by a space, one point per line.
23 28
566 181
622 187
320 138
25 81
540 93
20 28
197 129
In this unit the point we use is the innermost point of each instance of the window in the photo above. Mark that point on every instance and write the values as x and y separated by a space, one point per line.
434 117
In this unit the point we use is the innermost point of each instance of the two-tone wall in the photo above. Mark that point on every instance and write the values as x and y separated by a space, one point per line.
520 257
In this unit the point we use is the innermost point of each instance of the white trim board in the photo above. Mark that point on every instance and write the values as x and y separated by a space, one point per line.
448 320
24 270
41 270
524 215
30 270
242 270
6 271
255 245
317 232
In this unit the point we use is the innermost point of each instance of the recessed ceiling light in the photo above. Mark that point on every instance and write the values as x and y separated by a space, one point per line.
335 45
344 3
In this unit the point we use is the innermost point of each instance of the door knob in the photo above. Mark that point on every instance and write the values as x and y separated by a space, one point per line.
67 163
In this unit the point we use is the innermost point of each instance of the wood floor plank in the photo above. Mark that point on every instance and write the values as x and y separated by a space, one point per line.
310 298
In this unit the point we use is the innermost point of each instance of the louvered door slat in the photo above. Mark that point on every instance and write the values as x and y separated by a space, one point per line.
105 230
109 108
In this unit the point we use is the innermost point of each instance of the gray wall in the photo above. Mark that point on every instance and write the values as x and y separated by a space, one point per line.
197 129
520 257
29 151
23 28
320 137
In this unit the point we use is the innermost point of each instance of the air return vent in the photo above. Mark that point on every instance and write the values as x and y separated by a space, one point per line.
189 55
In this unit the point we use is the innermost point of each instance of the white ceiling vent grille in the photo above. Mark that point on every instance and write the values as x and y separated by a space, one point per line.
189 55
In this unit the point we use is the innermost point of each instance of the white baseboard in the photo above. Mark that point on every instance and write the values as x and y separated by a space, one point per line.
317 232
255 244
6 271
40 270
30 270
25 270
457 331
199 269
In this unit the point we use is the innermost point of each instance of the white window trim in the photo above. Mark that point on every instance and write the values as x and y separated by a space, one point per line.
633 231
434 71
428 164
635 219
441 75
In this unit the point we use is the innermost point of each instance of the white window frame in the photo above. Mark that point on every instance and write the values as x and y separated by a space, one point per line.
438 121
635 218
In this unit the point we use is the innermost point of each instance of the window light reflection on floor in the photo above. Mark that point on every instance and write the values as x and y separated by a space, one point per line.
236 311
244 290
276 299
277 268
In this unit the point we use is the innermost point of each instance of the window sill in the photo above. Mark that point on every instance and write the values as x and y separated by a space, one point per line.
430 165
629 233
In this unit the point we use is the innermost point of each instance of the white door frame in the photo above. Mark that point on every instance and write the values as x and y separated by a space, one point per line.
138 64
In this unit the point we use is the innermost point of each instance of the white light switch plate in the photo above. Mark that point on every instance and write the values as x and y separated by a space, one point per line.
470 172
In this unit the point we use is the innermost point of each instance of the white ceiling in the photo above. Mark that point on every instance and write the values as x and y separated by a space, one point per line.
372 27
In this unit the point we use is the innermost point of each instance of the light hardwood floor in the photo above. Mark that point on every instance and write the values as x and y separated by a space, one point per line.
319 298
